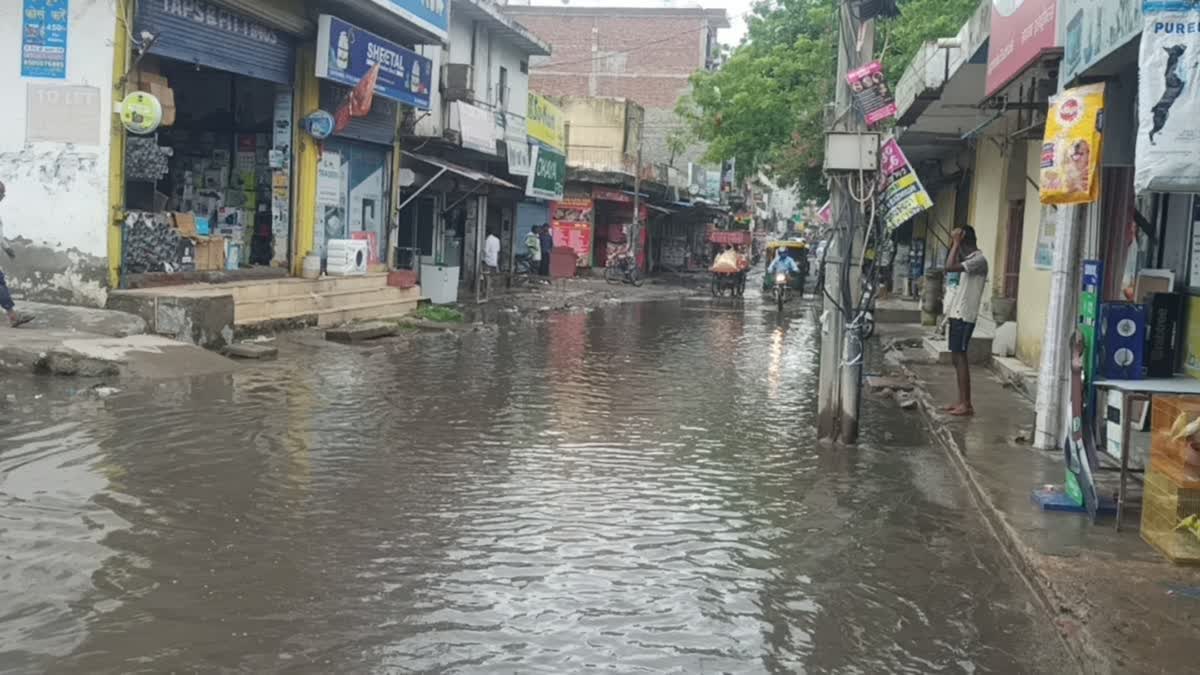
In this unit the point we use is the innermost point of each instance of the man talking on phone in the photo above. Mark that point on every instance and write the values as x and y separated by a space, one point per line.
967 270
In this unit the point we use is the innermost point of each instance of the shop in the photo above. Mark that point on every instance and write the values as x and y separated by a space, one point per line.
612 233
208 157
681 242
354 177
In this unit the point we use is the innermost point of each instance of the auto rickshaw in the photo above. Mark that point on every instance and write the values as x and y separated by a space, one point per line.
799 252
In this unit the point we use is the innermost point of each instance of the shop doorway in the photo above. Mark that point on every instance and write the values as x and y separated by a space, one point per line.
1012 253
364 172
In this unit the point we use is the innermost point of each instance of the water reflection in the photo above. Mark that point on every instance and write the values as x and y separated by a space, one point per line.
636 489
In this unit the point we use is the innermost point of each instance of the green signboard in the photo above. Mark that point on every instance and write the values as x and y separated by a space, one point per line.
548 174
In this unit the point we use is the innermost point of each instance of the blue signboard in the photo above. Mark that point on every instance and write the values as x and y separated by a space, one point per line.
432 15
44 38
346 53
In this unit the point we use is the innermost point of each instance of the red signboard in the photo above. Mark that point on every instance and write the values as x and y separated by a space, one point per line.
734 237
1021 31
610 195
571 226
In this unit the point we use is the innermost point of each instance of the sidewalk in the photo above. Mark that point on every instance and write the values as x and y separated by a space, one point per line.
1120 605
64 340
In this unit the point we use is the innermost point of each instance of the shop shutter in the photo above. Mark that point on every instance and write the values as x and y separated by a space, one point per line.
273 13
379 126
212 35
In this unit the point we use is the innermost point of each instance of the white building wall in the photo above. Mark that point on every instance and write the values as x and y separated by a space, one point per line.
56 211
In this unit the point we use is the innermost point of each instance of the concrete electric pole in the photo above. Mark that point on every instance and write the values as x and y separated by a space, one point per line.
838 396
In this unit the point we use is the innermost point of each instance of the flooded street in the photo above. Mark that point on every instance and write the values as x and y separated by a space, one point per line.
635 489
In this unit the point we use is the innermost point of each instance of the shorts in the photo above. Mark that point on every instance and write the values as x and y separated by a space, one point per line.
959 336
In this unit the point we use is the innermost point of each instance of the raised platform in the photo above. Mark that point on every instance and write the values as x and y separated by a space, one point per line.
979 352
213 315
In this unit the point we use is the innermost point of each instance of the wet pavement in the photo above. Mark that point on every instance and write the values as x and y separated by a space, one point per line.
634 489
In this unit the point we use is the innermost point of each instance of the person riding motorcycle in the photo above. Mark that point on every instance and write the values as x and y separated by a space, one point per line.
783 263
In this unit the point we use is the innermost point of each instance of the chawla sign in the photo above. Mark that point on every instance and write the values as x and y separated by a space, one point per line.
548 176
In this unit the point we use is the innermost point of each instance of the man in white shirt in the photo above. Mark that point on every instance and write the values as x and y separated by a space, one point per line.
970 268
6 302
491 253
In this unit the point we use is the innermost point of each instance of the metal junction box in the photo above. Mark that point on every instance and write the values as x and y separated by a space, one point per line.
851 151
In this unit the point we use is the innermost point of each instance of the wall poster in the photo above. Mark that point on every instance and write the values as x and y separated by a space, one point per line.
1168 138
44 38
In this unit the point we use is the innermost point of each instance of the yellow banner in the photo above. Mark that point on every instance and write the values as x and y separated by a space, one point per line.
544 122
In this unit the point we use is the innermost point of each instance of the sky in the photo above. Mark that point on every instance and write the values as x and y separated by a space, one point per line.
735 9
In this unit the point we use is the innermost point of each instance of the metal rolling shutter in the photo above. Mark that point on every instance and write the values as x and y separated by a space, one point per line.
379 126
211 35
273 13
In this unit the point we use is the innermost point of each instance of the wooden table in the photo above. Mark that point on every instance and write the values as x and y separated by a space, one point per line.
1141 390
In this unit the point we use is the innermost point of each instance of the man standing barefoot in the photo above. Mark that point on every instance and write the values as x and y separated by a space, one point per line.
6 303
970 268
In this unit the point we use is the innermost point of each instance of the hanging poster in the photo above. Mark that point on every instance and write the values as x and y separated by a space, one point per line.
1043 256
571 225
1071 148
44 38
871 93
347 54
900 191
331 216
1168 138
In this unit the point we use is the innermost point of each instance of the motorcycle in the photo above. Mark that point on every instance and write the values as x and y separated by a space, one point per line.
781 290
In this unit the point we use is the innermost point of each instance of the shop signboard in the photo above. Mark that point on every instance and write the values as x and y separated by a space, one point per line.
519 157
712 184
1168 139
548 174
207 34
545 122
601 193
571 225
1092 29
901 193
475 126
1021 31
431 15
346 54
44 38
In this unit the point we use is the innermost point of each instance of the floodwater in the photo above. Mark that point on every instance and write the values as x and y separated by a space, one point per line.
631 490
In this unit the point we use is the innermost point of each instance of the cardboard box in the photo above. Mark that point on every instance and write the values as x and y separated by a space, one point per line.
186 224
210 254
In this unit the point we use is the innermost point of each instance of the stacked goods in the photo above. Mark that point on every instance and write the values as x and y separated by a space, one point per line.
152 244
1171 502
144 159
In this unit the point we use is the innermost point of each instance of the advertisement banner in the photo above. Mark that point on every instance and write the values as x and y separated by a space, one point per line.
331 214
544 122
571 225
548 174
871 93
346 54
432 15
1020 31
1071 149
44 38
1043 256
608 194
518 156
1168 138
1091 29
901 194
476 127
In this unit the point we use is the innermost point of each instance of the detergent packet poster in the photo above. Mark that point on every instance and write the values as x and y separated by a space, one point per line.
1071 149
1168 138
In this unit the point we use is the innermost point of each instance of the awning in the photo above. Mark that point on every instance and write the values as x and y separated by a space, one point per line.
463 171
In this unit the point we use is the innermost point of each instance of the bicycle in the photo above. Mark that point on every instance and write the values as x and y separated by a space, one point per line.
623 271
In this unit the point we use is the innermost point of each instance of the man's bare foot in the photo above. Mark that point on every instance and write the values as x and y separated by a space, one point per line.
17 319
961 411
951 406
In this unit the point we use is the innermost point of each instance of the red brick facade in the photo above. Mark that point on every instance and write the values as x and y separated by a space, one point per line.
643 55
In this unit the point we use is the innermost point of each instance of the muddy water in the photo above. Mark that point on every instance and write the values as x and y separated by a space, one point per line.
631 490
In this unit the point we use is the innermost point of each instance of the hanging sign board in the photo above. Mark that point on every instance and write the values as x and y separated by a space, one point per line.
141 113
346 54
548 176
871 93
901 194
545 122
519 156
1071 149
44 38
1168 138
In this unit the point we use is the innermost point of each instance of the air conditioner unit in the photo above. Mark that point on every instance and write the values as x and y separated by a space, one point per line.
458 82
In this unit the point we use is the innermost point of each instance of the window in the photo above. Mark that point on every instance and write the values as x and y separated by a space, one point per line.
525 67
502 89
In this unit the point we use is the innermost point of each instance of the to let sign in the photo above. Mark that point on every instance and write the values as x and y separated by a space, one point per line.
58 113
548 176
346 53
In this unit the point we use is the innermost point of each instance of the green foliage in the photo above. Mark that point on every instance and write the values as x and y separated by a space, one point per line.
439 314
765 106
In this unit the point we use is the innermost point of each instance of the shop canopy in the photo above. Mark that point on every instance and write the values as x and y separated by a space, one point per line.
480 177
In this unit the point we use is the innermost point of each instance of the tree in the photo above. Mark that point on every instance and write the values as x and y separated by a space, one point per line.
765 106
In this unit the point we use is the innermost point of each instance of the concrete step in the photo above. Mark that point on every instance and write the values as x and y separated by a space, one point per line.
366 311
979 352
1022 377
894 310
283 307
284 288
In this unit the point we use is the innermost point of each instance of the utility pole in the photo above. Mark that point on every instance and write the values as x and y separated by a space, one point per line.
838 395
635 230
